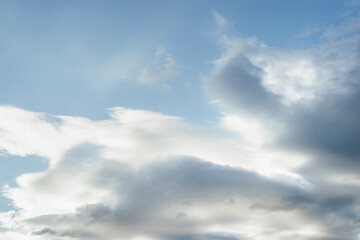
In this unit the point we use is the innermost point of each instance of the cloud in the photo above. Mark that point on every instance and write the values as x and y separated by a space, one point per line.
163 68
145 175
220 21
307 33
301 103
351 26
304 98
239 84
140 65
164 199
126 135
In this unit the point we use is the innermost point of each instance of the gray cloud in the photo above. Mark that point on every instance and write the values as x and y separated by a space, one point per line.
308 101
326 124
330 125
239 84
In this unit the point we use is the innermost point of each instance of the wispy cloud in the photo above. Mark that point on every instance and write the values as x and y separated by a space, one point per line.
307 33
220 21
163 68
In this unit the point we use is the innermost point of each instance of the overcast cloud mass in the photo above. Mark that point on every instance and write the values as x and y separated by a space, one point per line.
210 132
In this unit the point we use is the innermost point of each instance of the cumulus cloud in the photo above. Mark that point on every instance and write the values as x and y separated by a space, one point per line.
303 102
307 96
145 175
166 199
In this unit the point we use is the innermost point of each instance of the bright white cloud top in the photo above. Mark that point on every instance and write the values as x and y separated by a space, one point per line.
278 160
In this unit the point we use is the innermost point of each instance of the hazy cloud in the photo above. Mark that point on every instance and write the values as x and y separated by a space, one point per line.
163 68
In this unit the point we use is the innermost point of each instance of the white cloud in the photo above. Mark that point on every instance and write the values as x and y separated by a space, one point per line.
136 162
296 74
290 95
146 175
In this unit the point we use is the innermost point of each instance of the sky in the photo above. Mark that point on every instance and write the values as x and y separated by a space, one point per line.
180 120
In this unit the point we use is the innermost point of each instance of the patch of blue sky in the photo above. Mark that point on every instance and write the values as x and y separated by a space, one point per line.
76 58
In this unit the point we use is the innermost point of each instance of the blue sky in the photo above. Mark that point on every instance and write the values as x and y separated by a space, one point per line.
179 120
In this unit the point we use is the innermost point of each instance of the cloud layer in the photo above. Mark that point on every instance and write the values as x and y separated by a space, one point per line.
144 175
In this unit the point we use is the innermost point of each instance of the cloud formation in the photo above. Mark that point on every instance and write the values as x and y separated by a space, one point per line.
144 175
306 98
